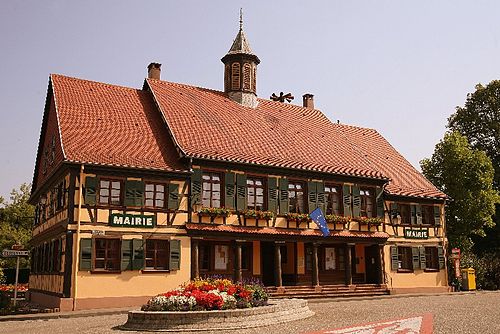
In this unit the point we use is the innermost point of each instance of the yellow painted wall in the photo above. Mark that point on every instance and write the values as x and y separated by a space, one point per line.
256 258
418 278
135 283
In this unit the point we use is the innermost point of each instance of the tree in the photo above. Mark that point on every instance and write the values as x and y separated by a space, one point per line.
479 121
16 222
466 175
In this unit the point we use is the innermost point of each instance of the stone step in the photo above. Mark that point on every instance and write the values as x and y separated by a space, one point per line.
332 295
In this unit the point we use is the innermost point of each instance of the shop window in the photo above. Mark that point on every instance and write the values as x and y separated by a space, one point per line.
155 195
431 258
296 197
157 254
427 214
246 256
255 193
330 258
221 257
109 192
333 200
405 260
367 199
107 254
211 184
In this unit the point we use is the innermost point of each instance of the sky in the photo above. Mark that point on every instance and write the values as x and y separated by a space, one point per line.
400 67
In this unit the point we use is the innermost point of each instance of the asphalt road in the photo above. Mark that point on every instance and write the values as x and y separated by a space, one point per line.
458 313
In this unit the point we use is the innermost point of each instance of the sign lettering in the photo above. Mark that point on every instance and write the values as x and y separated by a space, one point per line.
14 253
118 219
411 233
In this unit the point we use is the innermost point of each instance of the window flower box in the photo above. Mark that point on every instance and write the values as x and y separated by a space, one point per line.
257 214
298 217
334 219
375 221
214 212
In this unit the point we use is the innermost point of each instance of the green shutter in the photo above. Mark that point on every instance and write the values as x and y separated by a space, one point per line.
272 194
379 192
441 257
347 200
196 187
241 192
173 196
138 254
415 257
229 192
394 258
86 254
312 196
356 202
126 261
419 214
175 255
422 258
134 193
90 190
284 203
437 216
320 190
413 209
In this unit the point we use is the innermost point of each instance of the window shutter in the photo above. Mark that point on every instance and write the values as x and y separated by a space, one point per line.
437 216
196 187
284 203
415 257
394 210
134 193
380 202
175 255
356 202
51 256
241 192
423 264
90 190
394 258
312 196
229 190
320 189
138 254
347 200
419 214
272 194
126 261
441 257
86 254
235 77
413 209
173 196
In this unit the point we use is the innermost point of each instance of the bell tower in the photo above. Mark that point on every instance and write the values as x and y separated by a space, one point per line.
240 70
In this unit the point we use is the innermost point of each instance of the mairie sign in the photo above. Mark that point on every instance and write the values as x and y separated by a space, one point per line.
412 233
117 219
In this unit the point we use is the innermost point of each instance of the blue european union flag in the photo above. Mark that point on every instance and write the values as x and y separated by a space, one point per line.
319 219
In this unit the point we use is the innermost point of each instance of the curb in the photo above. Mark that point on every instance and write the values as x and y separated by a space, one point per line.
64 315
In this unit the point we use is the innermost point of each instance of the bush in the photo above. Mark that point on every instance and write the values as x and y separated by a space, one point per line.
4 300
487 269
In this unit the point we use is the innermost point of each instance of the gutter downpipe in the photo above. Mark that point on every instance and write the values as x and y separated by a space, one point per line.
76 246
190 210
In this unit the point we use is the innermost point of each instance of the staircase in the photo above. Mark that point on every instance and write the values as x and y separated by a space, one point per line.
328 291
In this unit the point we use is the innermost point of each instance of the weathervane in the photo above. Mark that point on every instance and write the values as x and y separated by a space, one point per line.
288 97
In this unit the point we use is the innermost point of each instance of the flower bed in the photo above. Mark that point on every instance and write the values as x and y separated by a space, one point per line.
209 294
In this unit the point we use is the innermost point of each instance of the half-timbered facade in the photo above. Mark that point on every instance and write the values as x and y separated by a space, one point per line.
140 190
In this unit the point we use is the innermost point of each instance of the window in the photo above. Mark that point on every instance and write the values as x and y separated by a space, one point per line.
404 212
205 256
367 200
405 258
247 72
61 195
155 195
107 254
246 256
56 256
235 76
211 190
428 214
296 197
333 200
157 254
255 193
431 258
109 192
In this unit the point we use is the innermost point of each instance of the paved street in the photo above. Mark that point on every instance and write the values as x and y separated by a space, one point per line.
458 313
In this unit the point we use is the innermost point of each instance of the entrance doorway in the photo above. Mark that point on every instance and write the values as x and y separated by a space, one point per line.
268 263
373 264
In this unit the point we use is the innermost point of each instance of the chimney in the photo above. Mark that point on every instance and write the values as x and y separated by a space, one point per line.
154 70
308 101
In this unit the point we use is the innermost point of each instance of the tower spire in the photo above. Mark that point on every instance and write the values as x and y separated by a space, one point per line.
241 19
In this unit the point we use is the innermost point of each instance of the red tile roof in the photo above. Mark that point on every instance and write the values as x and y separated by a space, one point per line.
111 125
282 231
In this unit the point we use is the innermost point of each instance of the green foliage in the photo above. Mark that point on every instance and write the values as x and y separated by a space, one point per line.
16 221
487 268
466 175
479 121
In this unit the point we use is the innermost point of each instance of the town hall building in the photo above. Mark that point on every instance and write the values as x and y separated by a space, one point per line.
138 190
